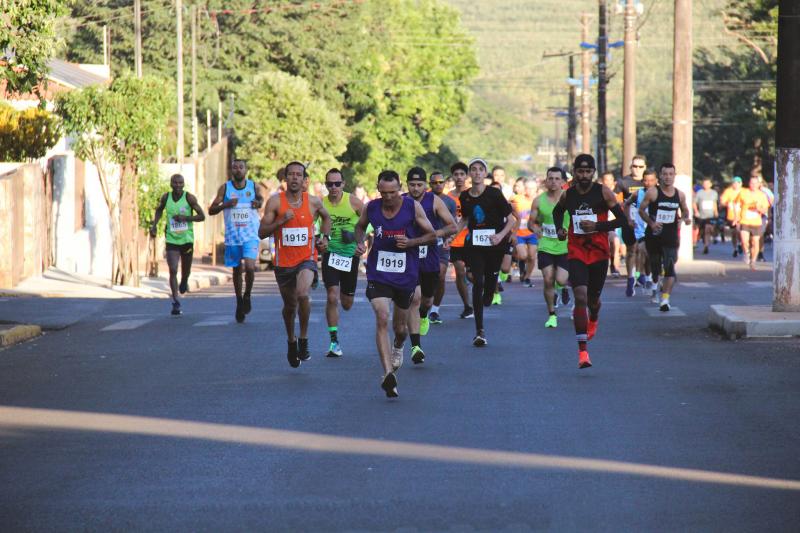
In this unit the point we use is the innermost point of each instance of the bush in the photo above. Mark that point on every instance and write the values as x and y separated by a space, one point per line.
26 135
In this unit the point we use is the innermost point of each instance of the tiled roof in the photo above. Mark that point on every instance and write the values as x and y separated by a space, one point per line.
71 75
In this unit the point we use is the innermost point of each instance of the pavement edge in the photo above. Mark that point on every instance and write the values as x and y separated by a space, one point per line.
19 333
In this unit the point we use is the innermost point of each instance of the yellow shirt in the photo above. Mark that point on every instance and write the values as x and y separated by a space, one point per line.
729 199
752 204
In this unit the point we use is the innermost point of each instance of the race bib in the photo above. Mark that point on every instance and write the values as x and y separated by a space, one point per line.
665 216
481 237
340 262
423 251
393 262
178 227
549 230
576 222
241 216
752 213
294 236
707 205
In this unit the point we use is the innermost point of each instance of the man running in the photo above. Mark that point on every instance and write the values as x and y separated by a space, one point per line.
630 185
527 241
400 227
339 266
459 172
179 232
487 215
659 210
752 205
291 215
729 200
649 180
706 210
437 183
444 225
588 205
240 201
552 255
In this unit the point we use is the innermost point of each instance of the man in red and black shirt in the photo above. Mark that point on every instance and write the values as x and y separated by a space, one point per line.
588 204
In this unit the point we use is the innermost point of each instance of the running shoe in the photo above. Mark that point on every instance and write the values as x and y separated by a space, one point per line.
614 272
424 326
641 281
389 385
434 318
591 329
302 350
497 299
397 357
334 350
654 296
480 340
552 322
705 250
239 311
583 359
246 305
417 355
184 286
735 253
564 296
629 290
176 309
500 286
761 258
664 305
467 312
291 355
527 283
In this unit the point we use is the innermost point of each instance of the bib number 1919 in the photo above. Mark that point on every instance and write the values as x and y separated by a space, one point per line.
392 262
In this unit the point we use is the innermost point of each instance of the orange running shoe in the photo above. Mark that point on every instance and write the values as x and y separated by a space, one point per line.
583 359
591 329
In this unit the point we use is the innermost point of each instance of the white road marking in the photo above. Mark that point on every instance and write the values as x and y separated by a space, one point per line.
760 284
214 321
696 284
127 324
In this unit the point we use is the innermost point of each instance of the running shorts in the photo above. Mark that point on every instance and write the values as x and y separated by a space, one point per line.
456 253
287 276
531 239
428 281
346 281
401 297
755 231
184 249
544 260
234 253
591 276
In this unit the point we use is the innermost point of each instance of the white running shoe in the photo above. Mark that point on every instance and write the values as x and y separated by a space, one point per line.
397 357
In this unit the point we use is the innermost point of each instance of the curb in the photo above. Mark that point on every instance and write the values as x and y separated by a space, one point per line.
724 319
210 280
17 334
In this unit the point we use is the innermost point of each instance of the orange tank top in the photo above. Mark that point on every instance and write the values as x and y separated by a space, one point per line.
294 240
458 240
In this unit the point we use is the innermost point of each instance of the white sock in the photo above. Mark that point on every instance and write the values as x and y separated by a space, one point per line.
434 309
648 277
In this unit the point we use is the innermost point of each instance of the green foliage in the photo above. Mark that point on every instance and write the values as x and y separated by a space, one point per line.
283 121
28 41
152 187
26 135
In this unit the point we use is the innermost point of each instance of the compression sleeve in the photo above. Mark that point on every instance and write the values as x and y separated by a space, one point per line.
558 215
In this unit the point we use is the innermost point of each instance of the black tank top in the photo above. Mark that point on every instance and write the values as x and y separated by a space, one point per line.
665 210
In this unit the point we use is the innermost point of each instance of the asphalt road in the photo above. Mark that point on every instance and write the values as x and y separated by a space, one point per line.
212 430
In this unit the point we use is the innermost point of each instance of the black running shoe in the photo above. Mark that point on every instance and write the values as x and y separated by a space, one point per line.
468 312
302 350
176 309
480 340
246 306
389 385
184 286
239 311
291 355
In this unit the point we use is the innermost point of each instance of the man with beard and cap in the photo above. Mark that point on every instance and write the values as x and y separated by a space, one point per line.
240 201
588 204
444 225
486 213
291 214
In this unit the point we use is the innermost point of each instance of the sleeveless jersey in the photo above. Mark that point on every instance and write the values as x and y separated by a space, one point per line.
665 210
343 224
241 220
178 232
587 247
549 242
523 208
461 237
294 240
429 253
388 264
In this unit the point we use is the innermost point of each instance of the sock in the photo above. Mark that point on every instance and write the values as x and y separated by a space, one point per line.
648 277
665 296
435 309
552 313
415 339
580 319
422 313
333 332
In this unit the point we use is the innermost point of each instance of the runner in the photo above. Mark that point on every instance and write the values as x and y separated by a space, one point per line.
649 180
629 186
339 266
615 246
552 253
179 232
706 209
508 256
444 225
729 200
752 206
487 215
392 267
291 214
437 183
662 237
240 201
459 171
588 205
527 241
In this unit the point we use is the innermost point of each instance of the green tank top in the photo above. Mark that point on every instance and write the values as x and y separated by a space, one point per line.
549 242
179 232
343 225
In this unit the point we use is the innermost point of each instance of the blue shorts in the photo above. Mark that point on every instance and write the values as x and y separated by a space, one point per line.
234 253
528 239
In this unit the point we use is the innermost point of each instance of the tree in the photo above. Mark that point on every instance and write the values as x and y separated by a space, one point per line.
26 135
121 125
283 121
28 41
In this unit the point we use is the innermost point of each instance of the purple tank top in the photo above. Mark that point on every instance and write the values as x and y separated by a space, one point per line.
387 263
428 254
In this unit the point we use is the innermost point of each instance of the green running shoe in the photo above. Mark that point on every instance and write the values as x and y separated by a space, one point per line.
552 322
417 355
497 299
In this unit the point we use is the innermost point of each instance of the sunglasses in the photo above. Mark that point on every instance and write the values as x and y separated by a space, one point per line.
334 183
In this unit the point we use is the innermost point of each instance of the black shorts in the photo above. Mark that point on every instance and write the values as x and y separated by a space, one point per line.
428 281
456 253
661 257
544 260
401 297
701 223
333 277
182 248
755 231
287 276
591 276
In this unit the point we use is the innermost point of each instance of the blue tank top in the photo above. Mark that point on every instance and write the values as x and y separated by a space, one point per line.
639 225
241 221
429 254
388 264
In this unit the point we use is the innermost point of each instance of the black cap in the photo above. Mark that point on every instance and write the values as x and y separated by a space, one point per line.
416 174
584 161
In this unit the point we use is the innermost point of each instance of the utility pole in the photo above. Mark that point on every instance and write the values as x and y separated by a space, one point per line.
195 125
572 125
786 276
629 87
179 32
602 54
137 39
586 73
682 114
